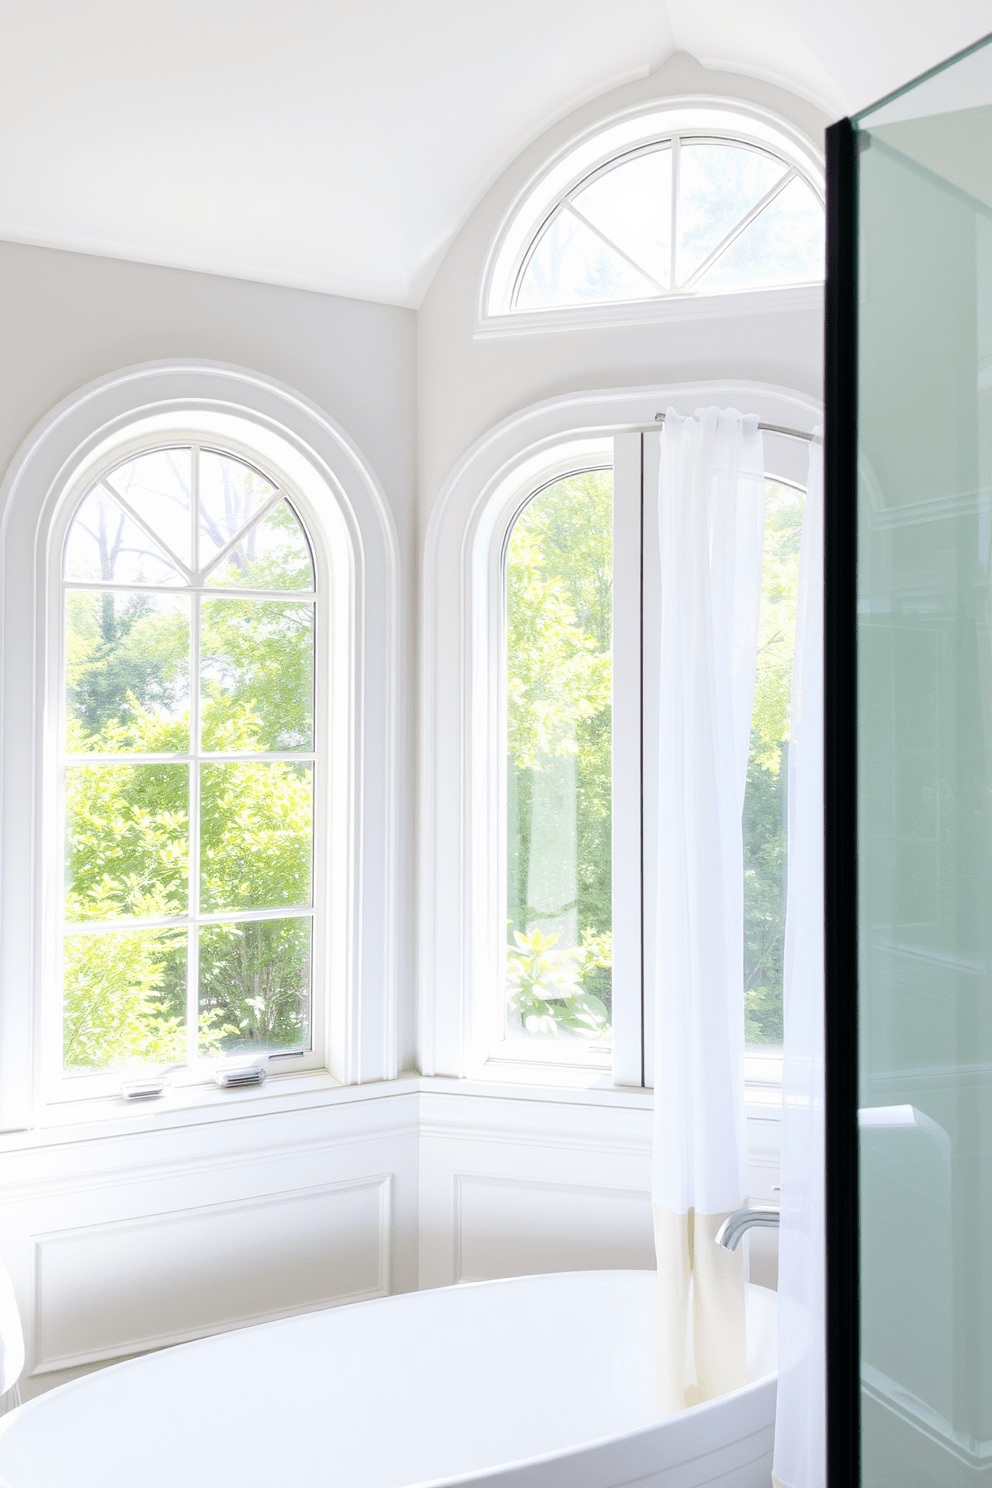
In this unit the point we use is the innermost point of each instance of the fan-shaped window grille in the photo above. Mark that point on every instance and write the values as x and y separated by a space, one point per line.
685 215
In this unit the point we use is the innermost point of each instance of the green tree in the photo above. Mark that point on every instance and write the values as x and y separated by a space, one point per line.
766 795
127 823
559 676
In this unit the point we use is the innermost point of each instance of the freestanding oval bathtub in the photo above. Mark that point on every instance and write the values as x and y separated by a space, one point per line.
534 1382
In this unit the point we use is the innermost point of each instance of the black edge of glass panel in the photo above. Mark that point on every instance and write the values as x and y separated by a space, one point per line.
840 806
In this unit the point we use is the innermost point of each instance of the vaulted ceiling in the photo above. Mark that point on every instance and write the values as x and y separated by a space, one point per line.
338 144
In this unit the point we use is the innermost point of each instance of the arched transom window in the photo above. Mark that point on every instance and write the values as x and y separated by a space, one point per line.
681 216
695 200
188 763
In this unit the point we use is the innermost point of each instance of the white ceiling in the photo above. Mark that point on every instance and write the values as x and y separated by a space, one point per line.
339 144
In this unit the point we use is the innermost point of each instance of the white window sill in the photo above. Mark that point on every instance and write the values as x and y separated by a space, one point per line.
193 1105
770 301
185 1106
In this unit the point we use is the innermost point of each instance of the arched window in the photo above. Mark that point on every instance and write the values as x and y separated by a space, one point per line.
697 201
198 630
189 745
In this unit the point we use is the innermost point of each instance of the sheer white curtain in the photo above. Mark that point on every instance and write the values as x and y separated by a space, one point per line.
799 1422
711 522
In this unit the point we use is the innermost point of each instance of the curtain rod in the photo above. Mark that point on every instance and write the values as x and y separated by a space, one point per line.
786 433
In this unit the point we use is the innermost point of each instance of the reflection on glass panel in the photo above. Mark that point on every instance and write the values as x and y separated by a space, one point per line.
230 495
559 624
103 544
126 672
255 986
924 735
256 835
783 245
572 265
124 999
126 841
766 793
257 674
718 185
157 486
274 554
632 206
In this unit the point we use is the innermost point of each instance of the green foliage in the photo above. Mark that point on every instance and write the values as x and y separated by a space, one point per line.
255 975
777 625
551 991
559 676
765 798
124 1001
121 647
127 828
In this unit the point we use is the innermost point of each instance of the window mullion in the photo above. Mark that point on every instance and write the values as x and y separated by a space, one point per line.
673 207
626 787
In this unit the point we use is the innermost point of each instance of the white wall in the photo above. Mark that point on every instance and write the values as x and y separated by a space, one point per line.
468 383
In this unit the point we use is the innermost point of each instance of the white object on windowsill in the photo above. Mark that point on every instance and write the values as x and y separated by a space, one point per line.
149 1089
233 1076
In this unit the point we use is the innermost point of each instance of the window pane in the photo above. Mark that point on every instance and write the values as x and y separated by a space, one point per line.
766 794
559 621
572 265
274 554
255 986
257 674
124 999
126 672
157 487
718 185
127 848
104 545
256 830
631 205
230 495
784 245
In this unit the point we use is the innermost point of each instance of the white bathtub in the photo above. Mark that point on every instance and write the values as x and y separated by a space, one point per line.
534 1382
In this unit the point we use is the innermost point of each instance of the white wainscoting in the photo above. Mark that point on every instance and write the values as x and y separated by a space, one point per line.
128 1235
511 1185
515 1226
119 1241
108 1289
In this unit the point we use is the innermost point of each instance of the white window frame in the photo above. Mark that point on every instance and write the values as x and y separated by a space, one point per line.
585 154
330 708
350 527
463 761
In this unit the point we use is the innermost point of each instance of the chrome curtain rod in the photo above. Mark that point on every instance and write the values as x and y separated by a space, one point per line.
786 433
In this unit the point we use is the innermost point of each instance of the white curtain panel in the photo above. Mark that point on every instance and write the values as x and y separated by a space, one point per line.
800 1457
711 522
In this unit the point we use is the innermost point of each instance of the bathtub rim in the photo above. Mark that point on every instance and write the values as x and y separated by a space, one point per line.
692 1413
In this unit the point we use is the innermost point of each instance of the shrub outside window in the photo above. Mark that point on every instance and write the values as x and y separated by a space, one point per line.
188 761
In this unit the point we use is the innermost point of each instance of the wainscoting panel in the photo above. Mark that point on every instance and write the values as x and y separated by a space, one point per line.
511 1227
512 1186
111 1289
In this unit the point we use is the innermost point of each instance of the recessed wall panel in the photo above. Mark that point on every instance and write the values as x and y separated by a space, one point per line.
111 1289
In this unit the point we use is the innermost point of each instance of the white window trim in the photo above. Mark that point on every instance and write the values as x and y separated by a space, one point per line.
246 410
461 758
593 148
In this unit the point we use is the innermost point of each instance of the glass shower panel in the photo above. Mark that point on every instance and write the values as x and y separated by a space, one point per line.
925 778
